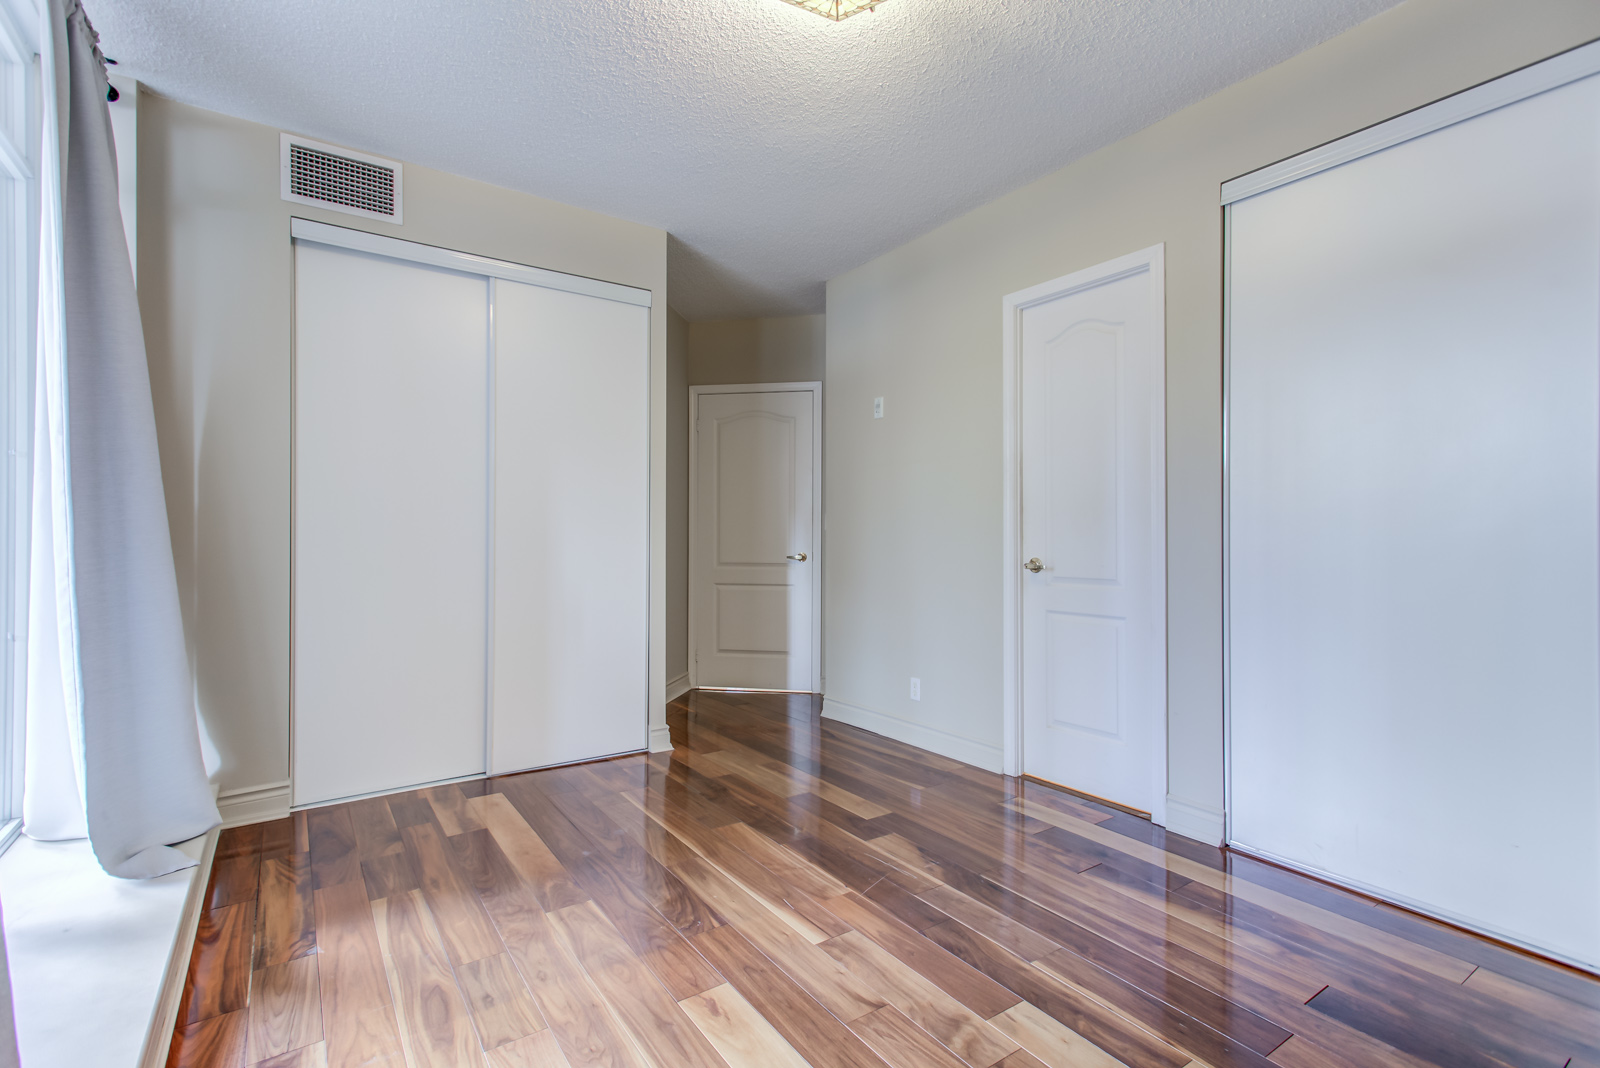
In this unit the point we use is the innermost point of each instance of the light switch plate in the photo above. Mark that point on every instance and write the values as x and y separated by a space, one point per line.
877 407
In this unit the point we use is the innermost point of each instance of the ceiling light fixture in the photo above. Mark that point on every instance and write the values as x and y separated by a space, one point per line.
836 10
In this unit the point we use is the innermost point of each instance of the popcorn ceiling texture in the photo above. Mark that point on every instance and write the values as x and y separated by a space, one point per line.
778 149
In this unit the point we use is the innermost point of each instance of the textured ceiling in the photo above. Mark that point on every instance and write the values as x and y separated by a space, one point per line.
778 148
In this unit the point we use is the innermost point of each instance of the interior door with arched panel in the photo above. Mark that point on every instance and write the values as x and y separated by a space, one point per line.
753 556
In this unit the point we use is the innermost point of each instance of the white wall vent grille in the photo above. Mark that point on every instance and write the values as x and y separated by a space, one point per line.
327 176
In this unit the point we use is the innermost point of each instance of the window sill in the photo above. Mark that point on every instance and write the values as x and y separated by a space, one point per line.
97 963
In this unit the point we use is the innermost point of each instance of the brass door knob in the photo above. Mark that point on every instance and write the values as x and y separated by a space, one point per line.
799 556
1034 565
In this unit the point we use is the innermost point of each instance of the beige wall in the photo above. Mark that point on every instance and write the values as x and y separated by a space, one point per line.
913 501
214 286
719 352
731 351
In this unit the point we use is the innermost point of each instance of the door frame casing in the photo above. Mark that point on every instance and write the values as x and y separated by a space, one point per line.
1152 260
815 389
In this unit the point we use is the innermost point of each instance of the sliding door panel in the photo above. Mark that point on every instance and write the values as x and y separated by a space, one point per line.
571 522
1413 430
390 523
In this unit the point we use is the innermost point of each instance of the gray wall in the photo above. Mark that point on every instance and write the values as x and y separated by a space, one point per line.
677 495
214 287
913 501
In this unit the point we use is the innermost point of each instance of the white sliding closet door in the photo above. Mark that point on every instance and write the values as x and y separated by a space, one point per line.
391 523
1414 604
571 515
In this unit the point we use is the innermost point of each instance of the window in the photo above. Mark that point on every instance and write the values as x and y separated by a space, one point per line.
19 244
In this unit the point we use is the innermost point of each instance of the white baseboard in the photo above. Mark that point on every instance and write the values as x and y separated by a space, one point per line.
660 739
1200 822
677 687
158 1040
254 804
978 754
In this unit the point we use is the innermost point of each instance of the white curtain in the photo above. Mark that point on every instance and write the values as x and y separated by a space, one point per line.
113 750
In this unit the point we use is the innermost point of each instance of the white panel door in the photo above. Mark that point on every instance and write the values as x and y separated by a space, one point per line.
390 523
571 584
1413 612
752 555
1093 618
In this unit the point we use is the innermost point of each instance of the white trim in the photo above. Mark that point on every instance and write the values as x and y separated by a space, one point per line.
968 751
254 804
13 161
19 31
1153 260
285 140
9 832
164 1018
389 790
677 687
466 262
660 739
815 389
1227 533
1412 905
1541 77
1200 822
491 483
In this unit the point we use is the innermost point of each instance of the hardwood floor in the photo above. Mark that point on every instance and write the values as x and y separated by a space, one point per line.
779 891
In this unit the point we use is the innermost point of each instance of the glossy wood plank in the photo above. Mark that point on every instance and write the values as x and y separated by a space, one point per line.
982 994
215 1042
875 904
902 1043
235 842
375 831
1115 1034
1015 935
819 974
389 874
1542 1008
1357 934
1300 1052
285 1008
502 1009
358 1018
550 882
219 969
468 935
449 806
741 1035
657 1023
335 857
536 1051
588 1034
1023 1059
232 881
1050 1041
410 809
285 920
811 1029
636 894
904 906
1452 1041
312 1056
1217 1045
959 1028
740 857
278 838
435 1025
